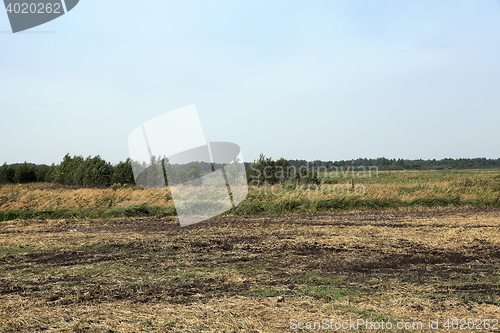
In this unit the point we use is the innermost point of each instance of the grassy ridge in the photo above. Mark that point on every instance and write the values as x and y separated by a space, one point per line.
248 207
386 190
348 204
129 211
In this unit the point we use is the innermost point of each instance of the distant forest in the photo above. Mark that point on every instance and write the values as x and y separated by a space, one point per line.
401 164
96 172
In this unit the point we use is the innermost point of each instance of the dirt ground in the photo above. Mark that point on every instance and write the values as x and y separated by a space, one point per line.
253 273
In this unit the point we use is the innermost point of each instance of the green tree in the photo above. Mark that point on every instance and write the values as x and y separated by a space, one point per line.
25 173
97 172
122 173
282 170
41 173
267 171
6 174
54 174
152 175
192 173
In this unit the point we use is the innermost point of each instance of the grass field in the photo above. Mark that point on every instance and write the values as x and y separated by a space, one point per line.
389 190
402 247
249 273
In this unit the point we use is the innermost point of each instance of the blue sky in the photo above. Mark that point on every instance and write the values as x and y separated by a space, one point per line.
325 80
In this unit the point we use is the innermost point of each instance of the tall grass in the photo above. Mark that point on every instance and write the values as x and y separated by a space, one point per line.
43 201
387 190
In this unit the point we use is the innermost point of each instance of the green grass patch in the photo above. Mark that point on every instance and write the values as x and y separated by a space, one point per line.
141 210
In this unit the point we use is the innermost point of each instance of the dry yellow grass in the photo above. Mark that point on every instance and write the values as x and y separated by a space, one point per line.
390 190
42 196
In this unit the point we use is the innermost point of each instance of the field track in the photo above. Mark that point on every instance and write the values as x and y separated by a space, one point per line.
248 273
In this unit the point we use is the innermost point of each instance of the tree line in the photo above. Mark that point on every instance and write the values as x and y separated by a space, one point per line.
72 171
96 172
386 164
